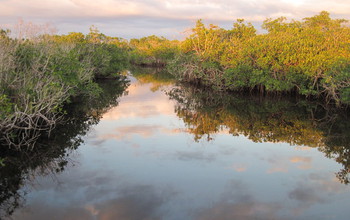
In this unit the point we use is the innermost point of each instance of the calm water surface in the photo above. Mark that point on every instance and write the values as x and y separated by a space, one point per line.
168 152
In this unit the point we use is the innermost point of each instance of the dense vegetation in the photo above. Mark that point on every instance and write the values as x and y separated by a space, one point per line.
153 51
40 74
309 57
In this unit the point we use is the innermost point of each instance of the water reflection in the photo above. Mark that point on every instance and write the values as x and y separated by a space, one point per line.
267 119
156 78
245 205
52 154
179 152
144 103
125 202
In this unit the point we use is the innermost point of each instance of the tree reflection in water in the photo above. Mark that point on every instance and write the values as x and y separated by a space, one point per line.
157 77
50 155
205 112
266 119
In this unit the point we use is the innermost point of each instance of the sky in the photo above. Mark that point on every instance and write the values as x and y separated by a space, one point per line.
169 18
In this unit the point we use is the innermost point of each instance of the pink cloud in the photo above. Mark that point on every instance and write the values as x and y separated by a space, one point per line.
239 167
304 162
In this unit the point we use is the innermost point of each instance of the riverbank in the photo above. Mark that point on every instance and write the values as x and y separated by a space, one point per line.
39 75
309 57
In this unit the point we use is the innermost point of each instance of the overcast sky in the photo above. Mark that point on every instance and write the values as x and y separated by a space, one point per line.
169 18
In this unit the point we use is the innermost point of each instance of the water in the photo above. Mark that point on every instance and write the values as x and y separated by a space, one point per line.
166 151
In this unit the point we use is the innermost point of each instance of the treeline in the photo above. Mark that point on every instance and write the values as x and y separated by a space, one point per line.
309 57
153 51
38 75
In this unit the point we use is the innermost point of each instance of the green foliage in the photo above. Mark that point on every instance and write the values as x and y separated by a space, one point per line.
108 55
309 57
108 59
6 107
37 76
153 50
185 67
215 50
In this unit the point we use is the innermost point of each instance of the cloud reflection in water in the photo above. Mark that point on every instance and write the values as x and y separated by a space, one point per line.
146 166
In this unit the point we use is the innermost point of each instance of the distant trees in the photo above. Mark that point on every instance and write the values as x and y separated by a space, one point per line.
152 50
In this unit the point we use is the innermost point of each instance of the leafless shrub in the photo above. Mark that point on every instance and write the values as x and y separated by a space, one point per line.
34 88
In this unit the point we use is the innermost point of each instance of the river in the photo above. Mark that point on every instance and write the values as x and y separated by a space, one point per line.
169 151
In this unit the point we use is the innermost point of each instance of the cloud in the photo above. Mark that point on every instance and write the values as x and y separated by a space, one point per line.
139 202
315 189
96 196
282 164
136 18
140 103
239 167
304 162
45 9
278 165
277 170
126 132
237 202
324 183
307 195
241 210
190 156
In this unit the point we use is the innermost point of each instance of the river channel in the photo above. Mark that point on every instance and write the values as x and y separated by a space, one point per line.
169 151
